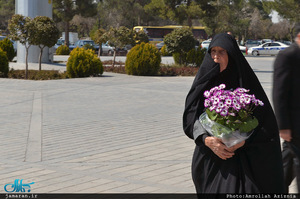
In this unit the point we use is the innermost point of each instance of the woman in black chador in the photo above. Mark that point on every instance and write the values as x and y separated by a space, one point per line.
252 166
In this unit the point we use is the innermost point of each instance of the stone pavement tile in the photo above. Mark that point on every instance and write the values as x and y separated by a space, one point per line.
51 178
129 188
19 173
148 189
104 188
174 180
58 182
67 185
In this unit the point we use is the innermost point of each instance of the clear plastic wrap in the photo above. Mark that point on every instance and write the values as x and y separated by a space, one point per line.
229 137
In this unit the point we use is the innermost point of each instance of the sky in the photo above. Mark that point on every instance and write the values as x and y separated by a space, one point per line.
275 17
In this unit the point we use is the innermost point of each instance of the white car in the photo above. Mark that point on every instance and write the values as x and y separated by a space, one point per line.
243 49
269 48
205 44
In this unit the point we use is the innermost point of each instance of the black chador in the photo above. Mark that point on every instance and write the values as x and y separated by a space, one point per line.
256 167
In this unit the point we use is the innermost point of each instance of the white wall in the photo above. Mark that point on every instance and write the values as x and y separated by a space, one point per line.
33 8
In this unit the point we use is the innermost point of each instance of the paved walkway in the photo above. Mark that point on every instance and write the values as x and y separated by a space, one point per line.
110 134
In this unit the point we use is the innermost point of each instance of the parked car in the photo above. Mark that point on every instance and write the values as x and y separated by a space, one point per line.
286 42
243 49
266 41
81 43
107 49
205 44
251 43
270 48
160 45
59 43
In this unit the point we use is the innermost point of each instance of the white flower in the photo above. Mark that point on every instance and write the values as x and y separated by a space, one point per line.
221 104
206 94
216 101
224 112
260 103
207 103
222 86
247 100
212 108
212 90
228 101
218 109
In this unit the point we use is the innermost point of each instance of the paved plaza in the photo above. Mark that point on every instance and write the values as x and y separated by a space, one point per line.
111 134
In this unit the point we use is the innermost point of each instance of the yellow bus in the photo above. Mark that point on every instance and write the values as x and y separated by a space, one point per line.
156 33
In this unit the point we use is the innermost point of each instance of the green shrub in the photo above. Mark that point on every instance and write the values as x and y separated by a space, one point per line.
177 57
143 59
83 63
181 41
164 51
89 46
193 57
63 50
7 46
200 53
3 63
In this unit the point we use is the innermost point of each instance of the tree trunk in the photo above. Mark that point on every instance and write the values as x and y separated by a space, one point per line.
180 59
190 22
67 25
26 62
40 59
113 65
100 50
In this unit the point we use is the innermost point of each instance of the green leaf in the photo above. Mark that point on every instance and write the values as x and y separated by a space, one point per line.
243 114
250 124
212 114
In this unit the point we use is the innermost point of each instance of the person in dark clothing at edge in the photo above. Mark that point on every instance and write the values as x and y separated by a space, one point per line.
286 100
252 166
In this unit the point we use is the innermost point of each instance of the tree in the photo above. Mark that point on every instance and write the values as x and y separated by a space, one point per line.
100 36
140 37
65 10
46 34
83 24
259 27
21 29
281 29
128 13
7 9
289 10
180 40
181 11
119 37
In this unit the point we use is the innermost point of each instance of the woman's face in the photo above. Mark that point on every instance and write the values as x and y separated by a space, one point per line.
219 55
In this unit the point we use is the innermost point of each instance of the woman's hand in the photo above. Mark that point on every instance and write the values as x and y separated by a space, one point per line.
218 147
286 134
235 147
